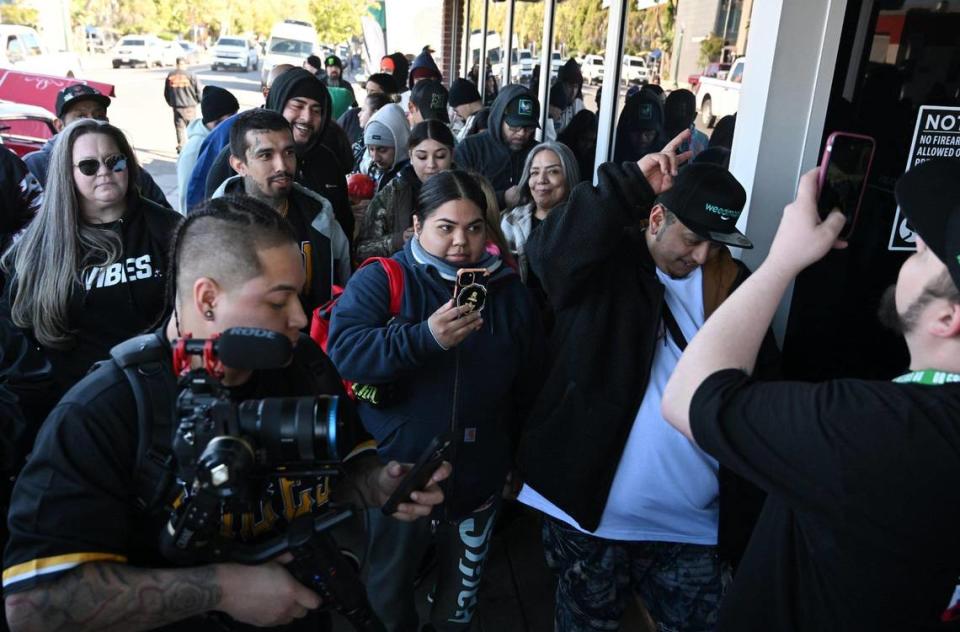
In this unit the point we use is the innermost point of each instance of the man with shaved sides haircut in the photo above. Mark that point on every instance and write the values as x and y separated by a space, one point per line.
263 153
84 556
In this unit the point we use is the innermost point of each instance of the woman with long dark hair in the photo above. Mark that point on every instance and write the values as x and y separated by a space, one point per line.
466 370
88 272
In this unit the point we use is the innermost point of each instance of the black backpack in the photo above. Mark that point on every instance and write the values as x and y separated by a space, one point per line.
145 361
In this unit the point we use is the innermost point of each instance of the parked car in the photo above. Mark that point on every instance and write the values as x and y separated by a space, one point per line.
718 97
100 40
521 66
716 69
24 50
169 53
190 52
235 52
635 69
592 69
133 50
25 128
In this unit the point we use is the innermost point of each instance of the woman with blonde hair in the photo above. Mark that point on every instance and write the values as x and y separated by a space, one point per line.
89 270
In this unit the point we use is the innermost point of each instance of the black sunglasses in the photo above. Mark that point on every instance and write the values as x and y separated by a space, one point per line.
90 166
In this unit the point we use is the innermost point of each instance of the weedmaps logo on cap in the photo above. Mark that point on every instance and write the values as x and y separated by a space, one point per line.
525 107
437 101
725 214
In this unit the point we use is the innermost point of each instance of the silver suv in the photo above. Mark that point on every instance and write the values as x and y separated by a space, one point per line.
235 52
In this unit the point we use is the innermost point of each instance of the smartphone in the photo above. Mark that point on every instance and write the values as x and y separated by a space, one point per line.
470 289
844 170
419 475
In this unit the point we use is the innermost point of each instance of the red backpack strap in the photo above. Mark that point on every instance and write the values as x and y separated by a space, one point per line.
394 272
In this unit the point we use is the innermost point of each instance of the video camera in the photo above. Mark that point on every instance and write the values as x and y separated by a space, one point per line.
227 453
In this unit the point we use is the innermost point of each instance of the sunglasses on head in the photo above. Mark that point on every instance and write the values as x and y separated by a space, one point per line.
90 166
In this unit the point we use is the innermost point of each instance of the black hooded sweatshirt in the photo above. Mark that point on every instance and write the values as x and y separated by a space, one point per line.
323 163
110 304
488 153
631 124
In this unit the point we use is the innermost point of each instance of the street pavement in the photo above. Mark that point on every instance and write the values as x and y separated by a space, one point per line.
141 112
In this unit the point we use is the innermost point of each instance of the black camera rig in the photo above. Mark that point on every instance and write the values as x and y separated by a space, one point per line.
227 453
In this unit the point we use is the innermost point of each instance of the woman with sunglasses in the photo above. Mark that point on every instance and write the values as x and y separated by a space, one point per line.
89 270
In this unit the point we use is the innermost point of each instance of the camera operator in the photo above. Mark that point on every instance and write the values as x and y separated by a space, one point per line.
82 556
859 530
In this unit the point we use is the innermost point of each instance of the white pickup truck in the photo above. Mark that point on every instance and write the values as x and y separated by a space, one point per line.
21 49
719 96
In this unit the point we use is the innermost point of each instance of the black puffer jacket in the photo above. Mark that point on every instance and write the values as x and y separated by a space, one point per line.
592 259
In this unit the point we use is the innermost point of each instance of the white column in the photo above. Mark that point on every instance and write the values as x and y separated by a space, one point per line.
482 70
612 66
546 52
791 55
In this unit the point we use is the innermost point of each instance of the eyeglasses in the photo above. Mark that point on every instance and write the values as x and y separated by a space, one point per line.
90 166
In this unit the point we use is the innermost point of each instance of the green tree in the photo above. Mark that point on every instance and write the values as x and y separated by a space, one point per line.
710 49
17 13
338 20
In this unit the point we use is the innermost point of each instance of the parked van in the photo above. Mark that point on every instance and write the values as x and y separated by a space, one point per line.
290 42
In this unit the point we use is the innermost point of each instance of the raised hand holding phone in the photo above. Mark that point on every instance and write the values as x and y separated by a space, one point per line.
844 171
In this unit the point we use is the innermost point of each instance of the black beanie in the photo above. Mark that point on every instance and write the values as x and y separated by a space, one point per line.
216 102
309 87
461 92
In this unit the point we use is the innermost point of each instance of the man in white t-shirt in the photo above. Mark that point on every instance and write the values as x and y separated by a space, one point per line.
630 503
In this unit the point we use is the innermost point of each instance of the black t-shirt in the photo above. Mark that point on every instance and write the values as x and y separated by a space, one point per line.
859 531
116 302
74 501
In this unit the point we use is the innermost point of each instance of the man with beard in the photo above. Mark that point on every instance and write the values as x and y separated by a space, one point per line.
499 152
262 151
324 156
859 528
334 79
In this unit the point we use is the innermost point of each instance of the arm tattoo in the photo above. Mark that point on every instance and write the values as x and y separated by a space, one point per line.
104 596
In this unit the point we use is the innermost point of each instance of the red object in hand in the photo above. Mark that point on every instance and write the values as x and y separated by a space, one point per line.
360 186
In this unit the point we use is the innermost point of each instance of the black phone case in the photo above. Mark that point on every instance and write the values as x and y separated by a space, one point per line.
420 473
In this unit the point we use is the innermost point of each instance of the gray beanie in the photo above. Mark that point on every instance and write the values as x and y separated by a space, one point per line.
378 133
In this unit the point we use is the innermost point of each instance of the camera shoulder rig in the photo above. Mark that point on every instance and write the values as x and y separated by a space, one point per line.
145 361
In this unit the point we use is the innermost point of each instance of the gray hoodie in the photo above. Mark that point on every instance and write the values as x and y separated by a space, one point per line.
196 132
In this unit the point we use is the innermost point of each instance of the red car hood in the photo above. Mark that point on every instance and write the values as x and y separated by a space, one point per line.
35 89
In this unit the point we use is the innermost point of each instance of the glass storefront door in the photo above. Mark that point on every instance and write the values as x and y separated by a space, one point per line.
897 59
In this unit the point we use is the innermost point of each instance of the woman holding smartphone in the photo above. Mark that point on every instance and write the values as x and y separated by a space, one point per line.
439 368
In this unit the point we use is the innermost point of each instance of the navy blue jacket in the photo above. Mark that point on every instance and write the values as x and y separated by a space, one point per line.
482 388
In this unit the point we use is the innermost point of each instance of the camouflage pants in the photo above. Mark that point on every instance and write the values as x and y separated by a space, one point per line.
680 584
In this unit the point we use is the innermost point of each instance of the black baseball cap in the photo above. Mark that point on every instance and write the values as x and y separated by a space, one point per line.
431 97
79 92
929 196
522 111
708 200
333 60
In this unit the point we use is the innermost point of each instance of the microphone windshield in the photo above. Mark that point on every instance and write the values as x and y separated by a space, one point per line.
251 348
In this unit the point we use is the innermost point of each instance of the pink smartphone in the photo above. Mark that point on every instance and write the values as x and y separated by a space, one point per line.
843 176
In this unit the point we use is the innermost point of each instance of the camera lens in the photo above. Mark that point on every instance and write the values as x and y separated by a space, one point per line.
294 429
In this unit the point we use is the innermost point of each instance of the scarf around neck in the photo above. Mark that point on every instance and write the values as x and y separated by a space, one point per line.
447 270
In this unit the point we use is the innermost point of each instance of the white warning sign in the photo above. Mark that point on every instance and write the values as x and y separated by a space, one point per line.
937 135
